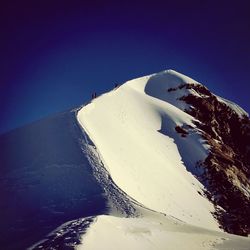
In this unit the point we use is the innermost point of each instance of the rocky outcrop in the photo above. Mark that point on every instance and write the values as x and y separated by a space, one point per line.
227 168
181 131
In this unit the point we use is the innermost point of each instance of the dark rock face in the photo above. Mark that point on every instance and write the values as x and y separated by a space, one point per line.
227 167
181 131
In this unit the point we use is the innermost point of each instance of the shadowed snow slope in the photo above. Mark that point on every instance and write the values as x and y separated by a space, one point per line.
45 180
133 127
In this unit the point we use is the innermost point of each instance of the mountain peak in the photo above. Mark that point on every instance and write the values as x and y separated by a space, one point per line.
172 123
174 76
152 160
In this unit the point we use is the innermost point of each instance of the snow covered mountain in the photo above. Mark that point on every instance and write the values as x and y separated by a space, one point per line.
169 162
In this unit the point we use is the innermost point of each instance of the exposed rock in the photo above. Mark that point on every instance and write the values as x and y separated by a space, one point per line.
227 167
181 131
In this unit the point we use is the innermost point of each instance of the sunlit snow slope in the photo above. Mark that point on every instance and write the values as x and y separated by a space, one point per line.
134 130
155 232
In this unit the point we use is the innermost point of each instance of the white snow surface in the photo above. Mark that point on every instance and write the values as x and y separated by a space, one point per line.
155 232
135 135
133 129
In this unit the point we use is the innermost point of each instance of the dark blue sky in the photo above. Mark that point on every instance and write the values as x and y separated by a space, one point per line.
54 54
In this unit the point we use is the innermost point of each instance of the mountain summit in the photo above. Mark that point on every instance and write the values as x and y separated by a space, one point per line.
176 148
167 164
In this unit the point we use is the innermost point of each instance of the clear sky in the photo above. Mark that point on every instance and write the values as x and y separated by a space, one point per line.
54 54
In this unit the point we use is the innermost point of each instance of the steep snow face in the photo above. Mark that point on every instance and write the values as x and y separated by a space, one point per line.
134 130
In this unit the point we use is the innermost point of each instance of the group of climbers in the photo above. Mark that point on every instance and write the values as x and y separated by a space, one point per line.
94 95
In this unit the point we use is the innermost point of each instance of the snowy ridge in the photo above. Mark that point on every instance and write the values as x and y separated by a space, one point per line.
127 171
134 129
135 135
120 204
